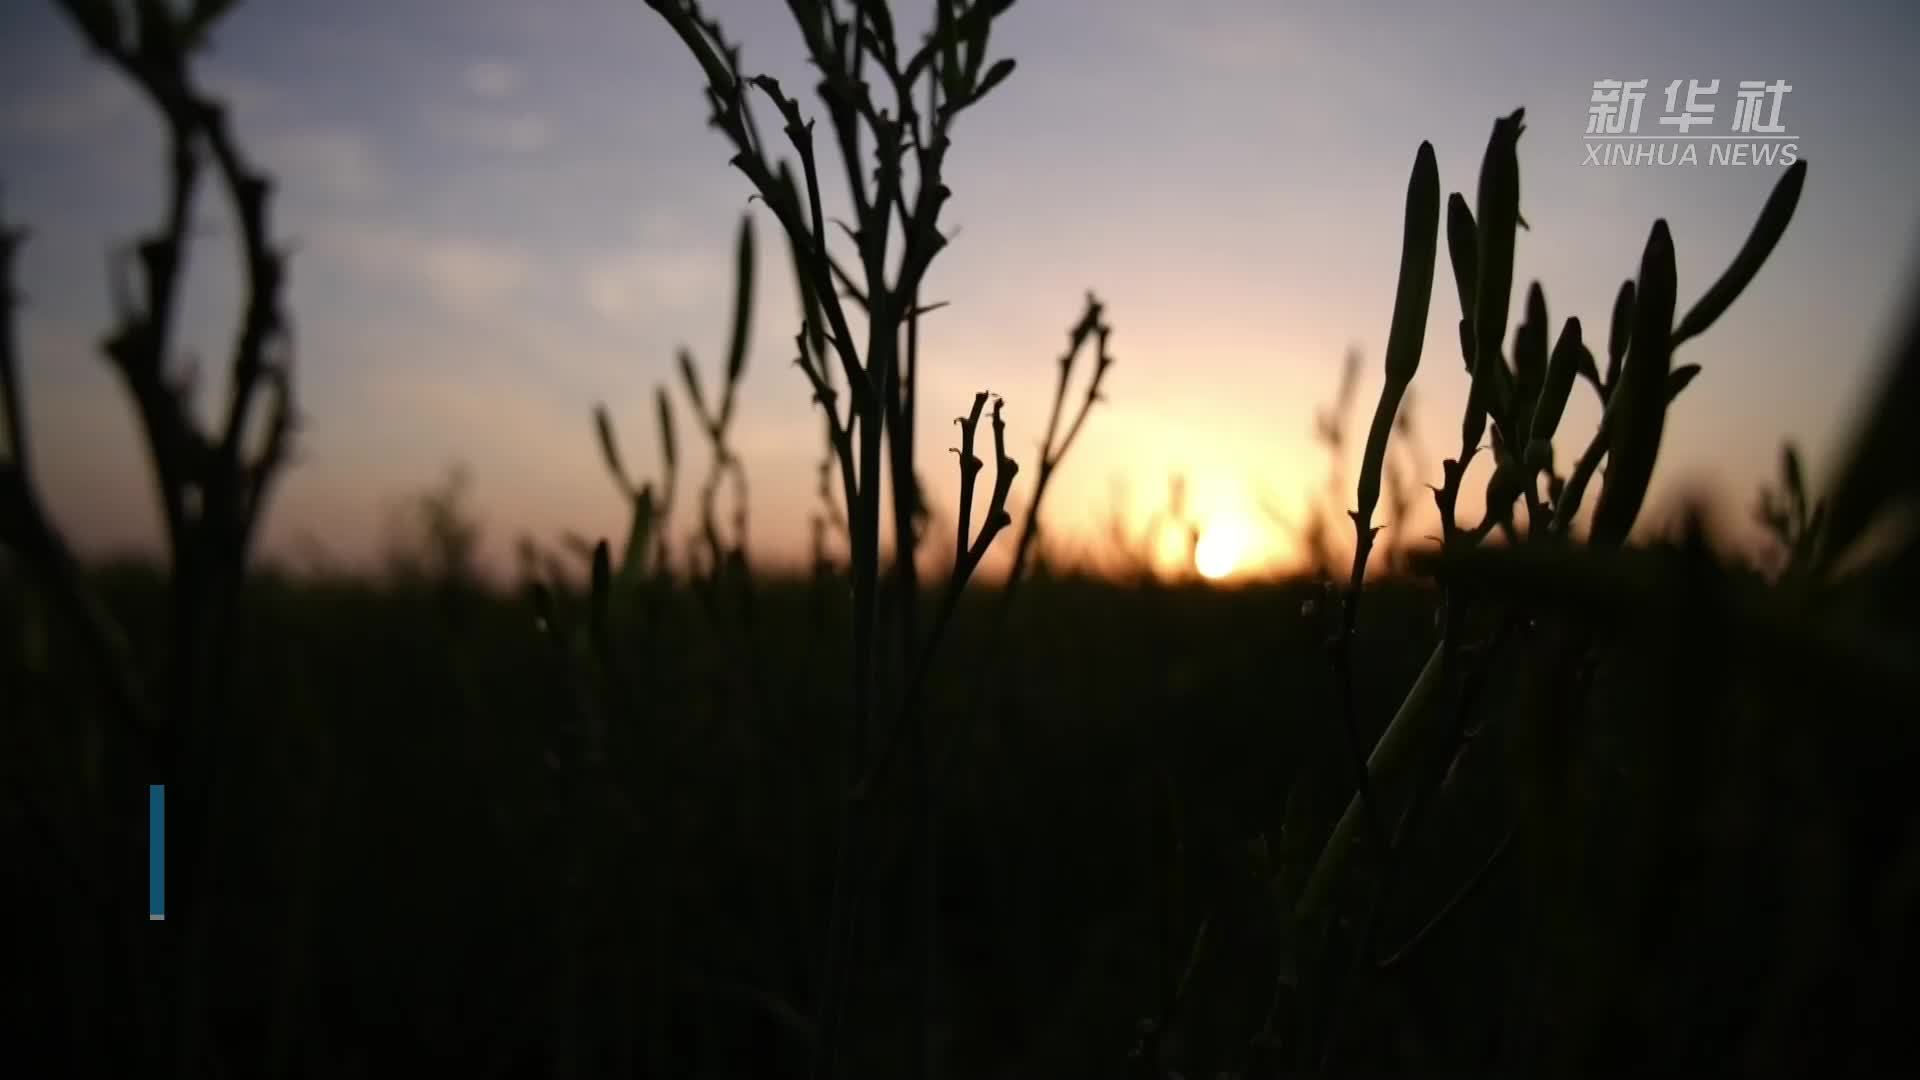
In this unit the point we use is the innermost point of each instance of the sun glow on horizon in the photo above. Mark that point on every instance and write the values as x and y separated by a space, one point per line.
1221 548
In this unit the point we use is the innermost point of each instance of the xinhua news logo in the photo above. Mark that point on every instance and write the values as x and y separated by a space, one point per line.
1688 130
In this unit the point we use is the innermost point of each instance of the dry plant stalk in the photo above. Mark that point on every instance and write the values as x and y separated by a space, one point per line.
213 483
903 118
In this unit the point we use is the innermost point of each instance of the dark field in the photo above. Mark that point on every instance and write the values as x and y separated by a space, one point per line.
1565 790
441 840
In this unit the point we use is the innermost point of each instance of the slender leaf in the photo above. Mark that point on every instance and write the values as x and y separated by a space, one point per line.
1636 416
1774 218
1570 356
1679 377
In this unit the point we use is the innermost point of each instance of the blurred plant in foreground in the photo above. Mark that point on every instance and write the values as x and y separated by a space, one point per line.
213 486
1547 615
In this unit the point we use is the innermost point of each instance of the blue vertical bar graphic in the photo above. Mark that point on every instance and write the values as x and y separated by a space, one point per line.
156 852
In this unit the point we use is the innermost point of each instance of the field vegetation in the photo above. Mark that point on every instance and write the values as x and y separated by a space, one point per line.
1561 789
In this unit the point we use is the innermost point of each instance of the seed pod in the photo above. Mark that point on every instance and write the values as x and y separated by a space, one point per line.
690 377
1638 410
995 75
1530 348
668 444
1412 297
1570 355
610 449
1414 293
742 302
1496 217
953 81
1678 379
1774 218
1621 334
1508 480
1529 360
1591 373
1462 252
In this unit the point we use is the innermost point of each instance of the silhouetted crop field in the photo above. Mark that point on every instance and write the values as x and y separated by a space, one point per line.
1562 790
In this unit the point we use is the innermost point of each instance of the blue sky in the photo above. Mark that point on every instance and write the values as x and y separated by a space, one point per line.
504 212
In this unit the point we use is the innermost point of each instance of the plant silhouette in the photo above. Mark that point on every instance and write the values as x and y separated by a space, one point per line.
1566 788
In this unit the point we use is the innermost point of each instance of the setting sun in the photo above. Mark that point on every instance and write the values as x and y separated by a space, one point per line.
1220 549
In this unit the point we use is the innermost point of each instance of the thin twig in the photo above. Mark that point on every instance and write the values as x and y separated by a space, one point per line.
1465 893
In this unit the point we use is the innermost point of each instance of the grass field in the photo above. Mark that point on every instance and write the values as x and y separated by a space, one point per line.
1561 792
428 853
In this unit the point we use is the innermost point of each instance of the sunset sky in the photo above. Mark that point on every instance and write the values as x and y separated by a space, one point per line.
503 212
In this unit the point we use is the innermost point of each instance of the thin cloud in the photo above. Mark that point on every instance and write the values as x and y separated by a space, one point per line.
96 99
333 163
492 79
84 106
505 132
632 288
244 95
463 274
